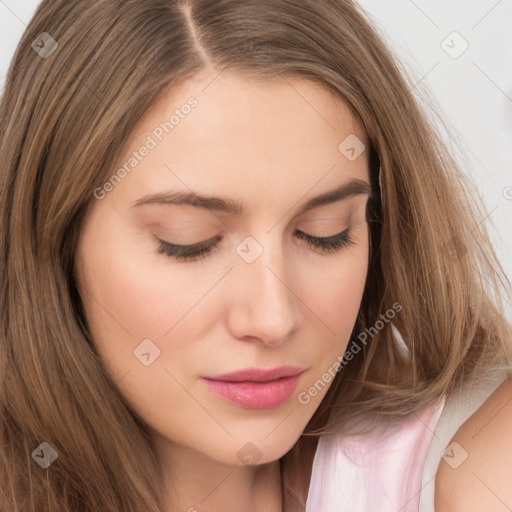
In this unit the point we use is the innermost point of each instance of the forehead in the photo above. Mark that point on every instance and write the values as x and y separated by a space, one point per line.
228 101
243 134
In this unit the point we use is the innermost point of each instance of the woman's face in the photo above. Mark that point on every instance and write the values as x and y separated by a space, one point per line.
263 298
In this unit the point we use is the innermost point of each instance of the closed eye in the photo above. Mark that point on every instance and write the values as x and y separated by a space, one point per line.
329 245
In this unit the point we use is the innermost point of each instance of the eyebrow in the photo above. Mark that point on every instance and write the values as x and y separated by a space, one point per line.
231 207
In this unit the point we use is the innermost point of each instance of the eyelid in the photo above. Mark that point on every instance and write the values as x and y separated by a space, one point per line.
212 241
198 245
325 245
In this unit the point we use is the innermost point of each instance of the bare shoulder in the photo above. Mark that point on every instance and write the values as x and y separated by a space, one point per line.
475 473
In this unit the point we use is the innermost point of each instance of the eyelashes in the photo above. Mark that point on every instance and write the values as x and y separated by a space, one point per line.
188 252
330 244
327 245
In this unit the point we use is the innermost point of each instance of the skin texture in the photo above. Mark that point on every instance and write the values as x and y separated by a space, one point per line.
273 145
482 481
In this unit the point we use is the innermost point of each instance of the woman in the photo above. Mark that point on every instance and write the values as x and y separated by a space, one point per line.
234 273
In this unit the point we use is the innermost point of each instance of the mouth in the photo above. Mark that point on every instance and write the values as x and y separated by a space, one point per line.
256 388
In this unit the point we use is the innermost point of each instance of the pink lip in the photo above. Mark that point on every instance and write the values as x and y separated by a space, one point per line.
255 388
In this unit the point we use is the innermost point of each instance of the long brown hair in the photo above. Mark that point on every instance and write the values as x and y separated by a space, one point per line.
64 117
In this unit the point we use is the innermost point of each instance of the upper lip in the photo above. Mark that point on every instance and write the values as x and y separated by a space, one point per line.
257 374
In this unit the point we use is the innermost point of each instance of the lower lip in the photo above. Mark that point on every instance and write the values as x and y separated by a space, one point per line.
255 395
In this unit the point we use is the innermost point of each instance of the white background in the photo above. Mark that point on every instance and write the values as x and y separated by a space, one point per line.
473 92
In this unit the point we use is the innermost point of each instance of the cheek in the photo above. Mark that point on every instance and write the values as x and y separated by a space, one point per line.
128 301
335 305
130 293
335 299
134 293
336 290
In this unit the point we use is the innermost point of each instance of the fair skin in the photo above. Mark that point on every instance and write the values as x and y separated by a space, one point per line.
482 480
272 145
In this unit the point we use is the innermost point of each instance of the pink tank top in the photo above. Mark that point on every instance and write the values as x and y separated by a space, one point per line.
381 470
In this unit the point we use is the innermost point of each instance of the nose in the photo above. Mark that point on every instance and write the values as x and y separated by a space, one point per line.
265 305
